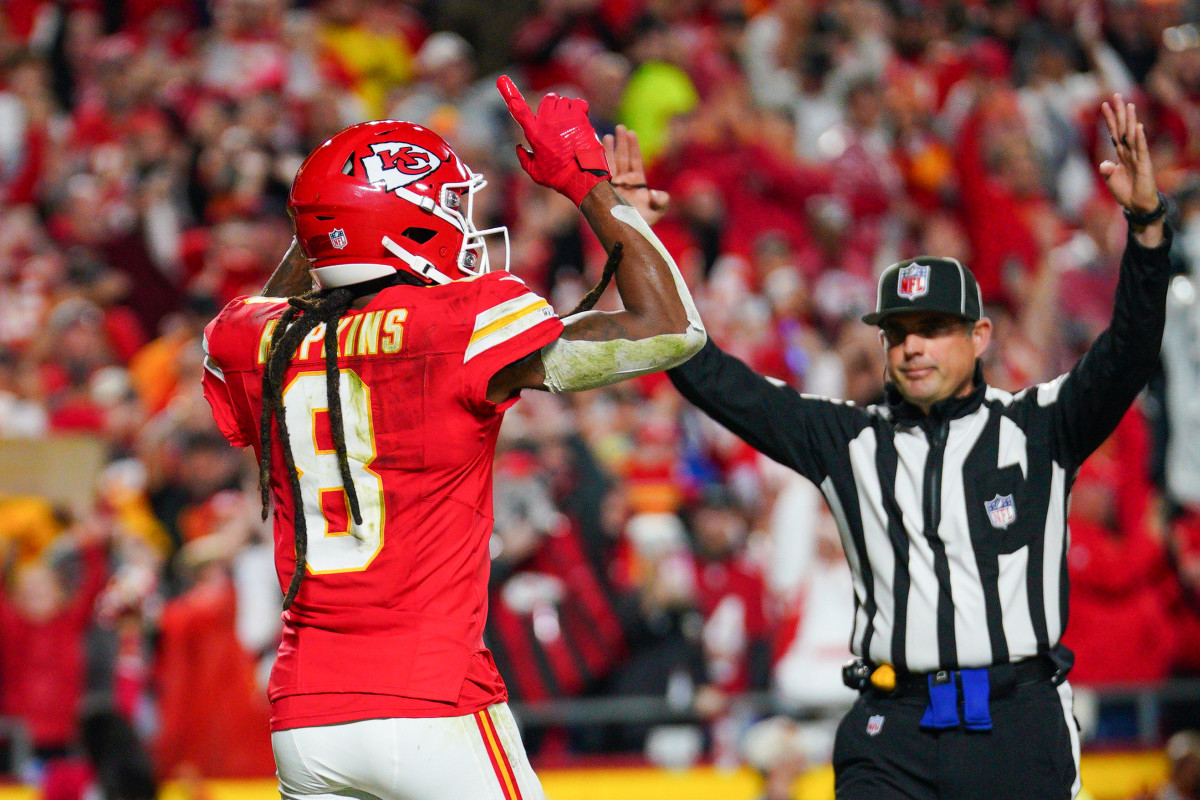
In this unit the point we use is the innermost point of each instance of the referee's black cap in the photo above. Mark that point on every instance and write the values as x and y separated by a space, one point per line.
927 283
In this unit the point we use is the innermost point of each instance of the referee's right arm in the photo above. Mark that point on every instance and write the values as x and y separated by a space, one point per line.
800 432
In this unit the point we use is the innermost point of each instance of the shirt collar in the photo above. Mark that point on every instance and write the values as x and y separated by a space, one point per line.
906 413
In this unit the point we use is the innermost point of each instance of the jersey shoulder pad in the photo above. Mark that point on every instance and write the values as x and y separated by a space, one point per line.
235 337
509 318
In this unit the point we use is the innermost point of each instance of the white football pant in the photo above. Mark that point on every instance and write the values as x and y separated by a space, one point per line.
473 757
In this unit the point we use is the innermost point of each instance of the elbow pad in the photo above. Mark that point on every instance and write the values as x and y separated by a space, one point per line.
573 366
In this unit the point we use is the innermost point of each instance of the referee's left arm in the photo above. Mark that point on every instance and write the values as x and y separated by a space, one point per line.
1090 400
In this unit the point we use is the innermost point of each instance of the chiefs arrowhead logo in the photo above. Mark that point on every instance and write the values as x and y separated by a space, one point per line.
397 164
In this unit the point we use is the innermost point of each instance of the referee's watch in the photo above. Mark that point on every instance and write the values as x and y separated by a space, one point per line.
1140 219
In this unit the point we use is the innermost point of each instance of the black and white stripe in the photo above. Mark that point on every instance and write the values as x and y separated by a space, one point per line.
966 593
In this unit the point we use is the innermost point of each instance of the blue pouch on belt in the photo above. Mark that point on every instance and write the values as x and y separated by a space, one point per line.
975 686
942 711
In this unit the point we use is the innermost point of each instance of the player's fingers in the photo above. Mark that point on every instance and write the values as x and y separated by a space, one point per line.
514 100
659 199
1119 111
548 105
1131 126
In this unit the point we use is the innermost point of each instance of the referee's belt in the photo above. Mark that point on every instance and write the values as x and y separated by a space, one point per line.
958 697
883 678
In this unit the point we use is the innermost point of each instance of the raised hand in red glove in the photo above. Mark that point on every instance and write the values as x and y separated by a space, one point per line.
566 154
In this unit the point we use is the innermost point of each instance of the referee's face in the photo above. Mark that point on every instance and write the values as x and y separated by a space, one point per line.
931 355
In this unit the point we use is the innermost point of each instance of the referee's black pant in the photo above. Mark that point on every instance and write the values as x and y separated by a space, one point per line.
1031 752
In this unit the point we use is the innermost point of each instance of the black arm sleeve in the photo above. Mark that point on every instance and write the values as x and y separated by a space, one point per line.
804 433
1099 389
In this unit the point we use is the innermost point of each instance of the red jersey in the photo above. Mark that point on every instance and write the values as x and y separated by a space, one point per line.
389 619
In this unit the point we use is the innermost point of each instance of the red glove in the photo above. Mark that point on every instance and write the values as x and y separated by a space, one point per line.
566 154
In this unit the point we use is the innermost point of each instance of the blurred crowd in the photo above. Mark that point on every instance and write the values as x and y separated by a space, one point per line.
146 152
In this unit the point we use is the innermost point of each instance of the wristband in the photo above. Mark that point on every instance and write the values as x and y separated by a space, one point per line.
1141 219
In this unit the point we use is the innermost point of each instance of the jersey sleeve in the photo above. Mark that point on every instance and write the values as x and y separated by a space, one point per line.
807 434
1087 403
510 323
233 345
216 392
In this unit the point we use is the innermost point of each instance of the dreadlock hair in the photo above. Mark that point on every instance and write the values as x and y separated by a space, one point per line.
301 317
610 269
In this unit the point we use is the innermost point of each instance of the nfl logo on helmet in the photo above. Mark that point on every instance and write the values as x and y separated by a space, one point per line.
337 238
913 281
1002 511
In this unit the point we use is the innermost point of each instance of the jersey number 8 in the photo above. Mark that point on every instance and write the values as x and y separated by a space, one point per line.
335 543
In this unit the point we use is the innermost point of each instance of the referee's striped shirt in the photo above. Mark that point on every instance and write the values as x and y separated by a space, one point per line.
954 524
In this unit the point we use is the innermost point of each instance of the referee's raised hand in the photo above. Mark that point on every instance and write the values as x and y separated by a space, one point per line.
1130 177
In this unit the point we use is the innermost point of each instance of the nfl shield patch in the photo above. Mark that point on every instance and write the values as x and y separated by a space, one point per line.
875 725
337 238
913 281
1002 511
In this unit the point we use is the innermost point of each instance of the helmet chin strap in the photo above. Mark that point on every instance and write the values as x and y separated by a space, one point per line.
417 264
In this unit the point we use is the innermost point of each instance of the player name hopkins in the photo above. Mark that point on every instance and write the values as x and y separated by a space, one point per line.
365 334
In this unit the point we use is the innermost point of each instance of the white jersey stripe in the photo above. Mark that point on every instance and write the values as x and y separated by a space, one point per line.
210 363
1012 582
213 369
972 642
1013 588
878 543
853 558
1055 551
1013 447
921 645
1047 393
521 322
486 321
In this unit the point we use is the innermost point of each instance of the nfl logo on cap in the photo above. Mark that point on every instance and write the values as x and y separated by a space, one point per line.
1002 511
337 238
913 281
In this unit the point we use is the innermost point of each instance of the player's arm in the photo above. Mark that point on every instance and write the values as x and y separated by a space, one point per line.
659 327
1090 400
291 278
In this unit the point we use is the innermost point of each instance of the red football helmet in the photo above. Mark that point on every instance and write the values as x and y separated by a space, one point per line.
388 195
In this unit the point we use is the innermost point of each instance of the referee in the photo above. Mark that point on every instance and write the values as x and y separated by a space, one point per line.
951 499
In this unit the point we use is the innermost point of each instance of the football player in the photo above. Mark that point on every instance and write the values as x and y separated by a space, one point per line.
374 402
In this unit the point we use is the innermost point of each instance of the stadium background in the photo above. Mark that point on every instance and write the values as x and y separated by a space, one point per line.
669 609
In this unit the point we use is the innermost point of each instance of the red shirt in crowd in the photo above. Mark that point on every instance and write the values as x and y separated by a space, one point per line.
1119 627
999 223
202 666
42 662
554 612
731 596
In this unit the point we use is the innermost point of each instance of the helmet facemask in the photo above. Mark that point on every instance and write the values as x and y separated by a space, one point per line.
473 260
